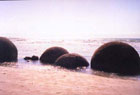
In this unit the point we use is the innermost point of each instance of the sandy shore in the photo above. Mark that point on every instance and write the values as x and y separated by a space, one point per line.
16 81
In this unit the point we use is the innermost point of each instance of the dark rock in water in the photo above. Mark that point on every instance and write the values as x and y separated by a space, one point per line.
51 54
27 58
71 61
116 57
8 51
33 58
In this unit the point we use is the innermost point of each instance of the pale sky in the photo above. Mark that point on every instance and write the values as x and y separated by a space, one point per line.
70 18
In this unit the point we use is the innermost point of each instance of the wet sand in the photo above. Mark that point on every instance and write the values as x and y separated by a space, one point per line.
26 81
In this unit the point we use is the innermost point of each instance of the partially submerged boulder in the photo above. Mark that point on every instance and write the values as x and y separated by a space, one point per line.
51 54
8 51
116 57
71 61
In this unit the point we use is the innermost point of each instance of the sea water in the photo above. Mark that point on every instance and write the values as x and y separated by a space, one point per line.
84 47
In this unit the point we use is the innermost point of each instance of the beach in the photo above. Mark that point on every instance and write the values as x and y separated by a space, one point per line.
34 78
28 28
27 81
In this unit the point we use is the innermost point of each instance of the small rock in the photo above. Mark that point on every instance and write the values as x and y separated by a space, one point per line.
34 58
27 58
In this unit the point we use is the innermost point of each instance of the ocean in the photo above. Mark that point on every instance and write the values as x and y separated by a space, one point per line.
86 48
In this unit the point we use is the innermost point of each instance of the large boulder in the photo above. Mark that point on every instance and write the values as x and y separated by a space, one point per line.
71 61
51 54
8 51
116 57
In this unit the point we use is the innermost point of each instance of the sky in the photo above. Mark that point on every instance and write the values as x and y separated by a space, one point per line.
70 18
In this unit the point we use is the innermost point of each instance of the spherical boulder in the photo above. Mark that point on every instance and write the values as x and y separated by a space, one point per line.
116 57
51 54
71 61
8 51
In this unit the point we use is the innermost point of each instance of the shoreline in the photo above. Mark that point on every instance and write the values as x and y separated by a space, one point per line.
26 81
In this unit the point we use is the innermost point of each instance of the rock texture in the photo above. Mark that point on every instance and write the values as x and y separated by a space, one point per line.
8 51
51 54
71 61
116 57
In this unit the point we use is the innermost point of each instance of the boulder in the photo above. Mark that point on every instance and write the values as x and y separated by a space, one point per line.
71 61
116 57
51 54
8 51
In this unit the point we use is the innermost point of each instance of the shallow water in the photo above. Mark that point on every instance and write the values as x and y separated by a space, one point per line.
86 48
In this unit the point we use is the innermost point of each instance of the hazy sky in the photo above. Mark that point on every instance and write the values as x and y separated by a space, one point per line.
70 18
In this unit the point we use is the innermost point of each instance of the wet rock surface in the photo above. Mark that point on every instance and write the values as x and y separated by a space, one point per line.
116 57
8 51
51 54
71 61
33 58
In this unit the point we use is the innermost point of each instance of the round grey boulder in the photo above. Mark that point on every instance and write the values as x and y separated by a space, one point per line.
116 57
71 61
51 54
8 51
